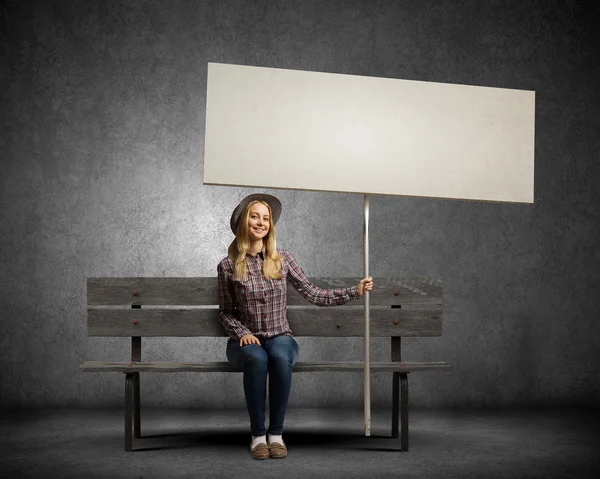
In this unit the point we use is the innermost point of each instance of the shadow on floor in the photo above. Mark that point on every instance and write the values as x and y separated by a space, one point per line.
234 438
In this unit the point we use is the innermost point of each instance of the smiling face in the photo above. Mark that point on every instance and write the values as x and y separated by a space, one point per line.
258 221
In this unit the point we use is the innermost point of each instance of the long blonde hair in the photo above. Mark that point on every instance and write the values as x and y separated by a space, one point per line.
241 244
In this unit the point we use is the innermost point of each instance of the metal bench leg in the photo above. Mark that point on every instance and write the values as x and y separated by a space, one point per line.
129 393
395 404
404 411
136 407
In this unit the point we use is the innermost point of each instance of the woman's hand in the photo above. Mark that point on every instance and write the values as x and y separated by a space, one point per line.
249 339
365 284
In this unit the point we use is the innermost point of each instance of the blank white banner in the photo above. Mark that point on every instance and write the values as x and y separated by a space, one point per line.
277 128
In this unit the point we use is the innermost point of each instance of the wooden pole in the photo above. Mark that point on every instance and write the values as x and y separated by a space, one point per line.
367 373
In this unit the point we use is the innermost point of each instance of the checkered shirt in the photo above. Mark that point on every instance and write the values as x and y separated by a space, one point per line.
258 305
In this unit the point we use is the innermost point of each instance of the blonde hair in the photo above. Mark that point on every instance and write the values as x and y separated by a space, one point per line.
241 244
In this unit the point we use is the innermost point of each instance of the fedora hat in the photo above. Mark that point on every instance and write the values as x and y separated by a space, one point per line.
273 202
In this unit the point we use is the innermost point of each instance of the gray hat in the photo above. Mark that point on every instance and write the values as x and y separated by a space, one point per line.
273 202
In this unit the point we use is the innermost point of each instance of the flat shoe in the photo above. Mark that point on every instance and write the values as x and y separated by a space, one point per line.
260 451
277 450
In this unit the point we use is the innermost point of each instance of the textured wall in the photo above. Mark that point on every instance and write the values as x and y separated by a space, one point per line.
102 126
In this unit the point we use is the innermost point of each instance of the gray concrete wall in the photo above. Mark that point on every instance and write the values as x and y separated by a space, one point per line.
102 127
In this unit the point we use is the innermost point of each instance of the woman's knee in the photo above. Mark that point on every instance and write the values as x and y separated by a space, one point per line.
253 354
285 352
240 357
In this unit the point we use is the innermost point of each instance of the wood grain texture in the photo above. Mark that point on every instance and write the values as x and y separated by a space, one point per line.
164 291
172 367
339 321
204 291
189 307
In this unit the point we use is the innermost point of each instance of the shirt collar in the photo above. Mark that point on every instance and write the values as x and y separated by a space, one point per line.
261 253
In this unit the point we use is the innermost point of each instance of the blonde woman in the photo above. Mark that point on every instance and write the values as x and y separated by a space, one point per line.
252 309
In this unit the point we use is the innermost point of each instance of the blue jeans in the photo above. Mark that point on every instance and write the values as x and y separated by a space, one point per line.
274 356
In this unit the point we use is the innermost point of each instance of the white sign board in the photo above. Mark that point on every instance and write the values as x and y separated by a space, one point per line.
277 128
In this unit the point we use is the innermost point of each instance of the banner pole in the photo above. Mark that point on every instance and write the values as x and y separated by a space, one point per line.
367 372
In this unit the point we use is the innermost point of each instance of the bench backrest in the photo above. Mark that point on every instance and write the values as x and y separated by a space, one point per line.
189 307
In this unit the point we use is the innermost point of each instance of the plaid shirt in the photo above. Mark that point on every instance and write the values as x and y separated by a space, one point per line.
258 305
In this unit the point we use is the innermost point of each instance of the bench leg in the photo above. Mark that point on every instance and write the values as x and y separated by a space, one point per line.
395 404
136 407
404 412
129 394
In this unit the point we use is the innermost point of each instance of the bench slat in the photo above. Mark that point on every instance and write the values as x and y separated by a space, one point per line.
204 291
165 291
340 321
350 366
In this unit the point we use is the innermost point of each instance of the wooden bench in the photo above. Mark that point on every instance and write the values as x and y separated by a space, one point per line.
183 307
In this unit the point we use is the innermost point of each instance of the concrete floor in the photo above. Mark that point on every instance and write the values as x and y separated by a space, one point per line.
78 443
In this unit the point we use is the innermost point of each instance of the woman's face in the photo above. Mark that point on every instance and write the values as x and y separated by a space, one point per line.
258 222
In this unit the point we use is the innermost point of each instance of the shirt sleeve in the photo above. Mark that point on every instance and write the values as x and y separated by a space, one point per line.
314 294
227 314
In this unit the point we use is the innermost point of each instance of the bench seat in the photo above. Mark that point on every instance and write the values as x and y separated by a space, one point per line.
175 367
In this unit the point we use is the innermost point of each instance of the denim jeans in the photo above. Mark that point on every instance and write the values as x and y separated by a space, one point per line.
274 356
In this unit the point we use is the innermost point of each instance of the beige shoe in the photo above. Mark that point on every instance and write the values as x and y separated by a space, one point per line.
277 450
260 451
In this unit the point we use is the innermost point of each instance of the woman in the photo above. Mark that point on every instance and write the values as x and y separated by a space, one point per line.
252 309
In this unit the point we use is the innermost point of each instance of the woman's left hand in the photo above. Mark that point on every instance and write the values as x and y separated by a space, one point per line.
366 284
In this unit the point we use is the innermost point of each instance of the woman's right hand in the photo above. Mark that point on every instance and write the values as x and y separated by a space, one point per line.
249 339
